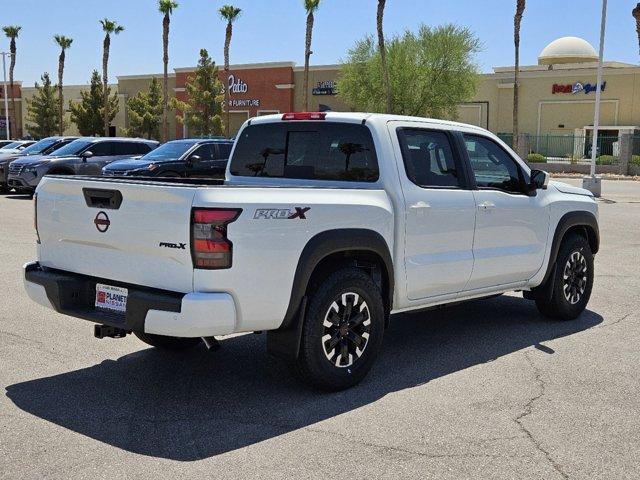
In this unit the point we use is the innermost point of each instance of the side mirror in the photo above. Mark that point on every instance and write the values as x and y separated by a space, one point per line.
539 180
87 154
194 159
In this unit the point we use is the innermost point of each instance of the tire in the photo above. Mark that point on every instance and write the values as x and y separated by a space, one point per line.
167 343
570 295
330 356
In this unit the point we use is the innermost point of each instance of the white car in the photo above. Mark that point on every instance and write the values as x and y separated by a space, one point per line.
326 224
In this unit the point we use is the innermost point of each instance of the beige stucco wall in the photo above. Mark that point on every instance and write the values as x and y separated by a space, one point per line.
72 93
317 74
129 86
542 112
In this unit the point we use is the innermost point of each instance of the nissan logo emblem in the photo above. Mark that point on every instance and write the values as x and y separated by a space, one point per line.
102 222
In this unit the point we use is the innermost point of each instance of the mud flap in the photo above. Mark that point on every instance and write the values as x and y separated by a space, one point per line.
286 343
543 292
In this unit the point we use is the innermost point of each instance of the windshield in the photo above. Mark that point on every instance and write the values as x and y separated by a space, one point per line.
11 146
73 148
39 147
168 151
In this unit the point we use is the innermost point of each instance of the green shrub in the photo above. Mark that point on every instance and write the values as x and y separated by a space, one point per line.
536 158
635 160
606 160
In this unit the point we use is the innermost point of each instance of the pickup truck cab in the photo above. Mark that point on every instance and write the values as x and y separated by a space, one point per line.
83 156
325 225
205 158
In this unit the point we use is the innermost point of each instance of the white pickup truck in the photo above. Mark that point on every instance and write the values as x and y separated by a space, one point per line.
325 225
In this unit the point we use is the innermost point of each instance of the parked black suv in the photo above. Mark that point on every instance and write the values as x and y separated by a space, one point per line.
84 156
46 146
178 158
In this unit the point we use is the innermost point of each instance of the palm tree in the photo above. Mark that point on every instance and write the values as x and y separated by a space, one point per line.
12 32
230 14
636 15
383 55
517 20
64 43
310 6
166 8
109 27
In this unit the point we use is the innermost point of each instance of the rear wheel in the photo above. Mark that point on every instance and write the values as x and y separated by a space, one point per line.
573 280
167 343
342 331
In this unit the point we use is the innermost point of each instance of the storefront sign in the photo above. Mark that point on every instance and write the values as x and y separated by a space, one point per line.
235 103
327 87
236 85
577 87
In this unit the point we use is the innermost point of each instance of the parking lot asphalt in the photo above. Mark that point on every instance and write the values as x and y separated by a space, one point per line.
485 390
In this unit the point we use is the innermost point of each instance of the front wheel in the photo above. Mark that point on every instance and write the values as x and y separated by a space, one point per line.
342 331
573 280
167 343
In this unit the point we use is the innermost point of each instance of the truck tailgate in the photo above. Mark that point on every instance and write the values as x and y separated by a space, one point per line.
145 240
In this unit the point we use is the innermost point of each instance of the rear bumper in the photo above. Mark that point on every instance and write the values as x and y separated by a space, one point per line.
148 310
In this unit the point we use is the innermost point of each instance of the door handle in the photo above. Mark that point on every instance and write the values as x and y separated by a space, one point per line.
487 206
420 206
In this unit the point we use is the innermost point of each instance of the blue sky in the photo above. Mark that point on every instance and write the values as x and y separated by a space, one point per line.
273 30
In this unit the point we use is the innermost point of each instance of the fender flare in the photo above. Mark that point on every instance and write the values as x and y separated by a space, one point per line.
568 221
285 341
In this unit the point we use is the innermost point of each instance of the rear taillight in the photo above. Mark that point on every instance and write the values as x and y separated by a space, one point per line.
210 247
304 116
35 216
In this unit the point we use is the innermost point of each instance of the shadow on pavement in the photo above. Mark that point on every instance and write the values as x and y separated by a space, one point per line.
19 196
199 404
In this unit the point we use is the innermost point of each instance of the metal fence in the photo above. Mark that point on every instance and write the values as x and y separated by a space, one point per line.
573 149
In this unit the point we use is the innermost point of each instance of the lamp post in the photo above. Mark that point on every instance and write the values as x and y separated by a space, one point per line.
6 95
593 183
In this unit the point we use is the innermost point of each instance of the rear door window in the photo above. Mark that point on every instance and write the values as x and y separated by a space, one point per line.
224 150
306 150
428 158
102 149
130 148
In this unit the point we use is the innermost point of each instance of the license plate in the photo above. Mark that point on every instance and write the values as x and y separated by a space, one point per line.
111 298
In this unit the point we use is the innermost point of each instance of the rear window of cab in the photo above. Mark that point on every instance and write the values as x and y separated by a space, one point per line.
306 150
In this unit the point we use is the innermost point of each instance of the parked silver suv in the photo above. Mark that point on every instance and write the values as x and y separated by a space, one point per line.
84 156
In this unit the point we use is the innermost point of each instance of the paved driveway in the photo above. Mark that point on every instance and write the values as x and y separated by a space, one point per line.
485 390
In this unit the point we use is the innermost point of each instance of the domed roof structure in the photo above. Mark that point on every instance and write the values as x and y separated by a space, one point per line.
567 50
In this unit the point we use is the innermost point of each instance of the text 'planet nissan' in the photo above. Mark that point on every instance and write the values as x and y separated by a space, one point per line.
325 225
83 156
42 148
179 158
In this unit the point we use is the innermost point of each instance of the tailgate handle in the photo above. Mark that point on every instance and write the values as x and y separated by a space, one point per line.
100 198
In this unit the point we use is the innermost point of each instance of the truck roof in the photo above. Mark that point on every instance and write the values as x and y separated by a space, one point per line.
360 117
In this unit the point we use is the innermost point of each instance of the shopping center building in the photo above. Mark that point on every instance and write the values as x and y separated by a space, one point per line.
557 95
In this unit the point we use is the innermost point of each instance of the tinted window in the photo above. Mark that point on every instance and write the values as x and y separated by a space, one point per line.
428 158
142 148
225 150
206 152
102 149
492 166
129 148
311 150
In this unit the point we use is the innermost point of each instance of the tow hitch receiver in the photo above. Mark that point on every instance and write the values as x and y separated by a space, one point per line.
102 331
